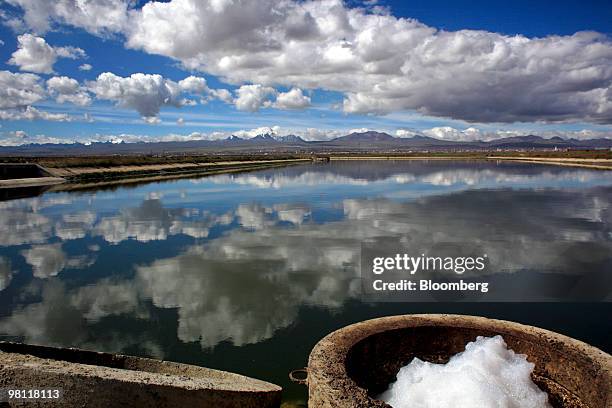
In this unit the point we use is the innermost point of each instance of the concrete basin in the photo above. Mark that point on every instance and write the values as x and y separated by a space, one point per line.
350 365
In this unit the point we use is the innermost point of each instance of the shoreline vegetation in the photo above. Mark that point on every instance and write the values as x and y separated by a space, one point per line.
82 172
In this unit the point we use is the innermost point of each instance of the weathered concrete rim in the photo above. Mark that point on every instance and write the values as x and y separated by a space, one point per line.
327 361
43 177
127 369
31 182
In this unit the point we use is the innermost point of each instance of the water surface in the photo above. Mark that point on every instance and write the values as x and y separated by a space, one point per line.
246 272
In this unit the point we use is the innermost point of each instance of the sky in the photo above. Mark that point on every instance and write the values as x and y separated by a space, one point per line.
126 70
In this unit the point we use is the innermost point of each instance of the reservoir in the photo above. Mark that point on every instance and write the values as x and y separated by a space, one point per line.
246 272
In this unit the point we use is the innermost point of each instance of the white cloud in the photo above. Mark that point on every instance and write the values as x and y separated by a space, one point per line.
85 67
20 137
151 120
68 90
360 130
380 62
405 133
252 97
19 90
449 133
143 92
35 55
148 93
293 99
193 84
31 113
95 16
222 94
384 63
19 134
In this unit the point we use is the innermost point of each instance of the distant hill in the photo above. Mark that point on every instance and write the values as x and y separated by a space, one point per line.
291 139
367 137
369 141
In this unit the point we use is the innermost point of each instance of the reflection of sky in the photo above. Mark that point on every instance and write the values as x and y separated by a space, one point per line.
236 257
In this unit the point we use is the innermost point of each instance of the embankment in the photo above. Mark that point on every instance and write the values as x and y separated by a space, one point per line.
17 175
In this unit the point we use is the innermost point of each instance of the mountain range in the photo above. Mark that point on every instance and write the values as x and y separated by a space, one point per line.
369 141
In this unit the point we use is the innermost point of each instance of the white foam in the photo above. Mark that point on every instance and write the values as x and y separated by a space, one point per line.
486 375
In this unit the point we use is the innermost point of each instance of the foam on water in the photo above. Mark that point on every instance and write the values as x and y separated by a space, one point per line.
486 375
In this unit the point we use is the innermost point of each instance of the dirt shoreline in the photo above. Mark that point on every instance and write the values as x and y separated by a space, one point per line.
600 164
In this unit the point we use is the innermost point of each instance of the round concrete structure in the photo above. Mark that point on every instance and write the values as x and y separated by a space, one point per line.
350 365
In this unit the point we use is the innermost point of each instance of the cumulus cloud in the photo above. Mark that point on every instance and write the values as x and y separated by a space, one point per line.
85 67
31 113
222 94
68 90
406 133
193 84
94 16
19 90
293 99
35 55
148 93
19 134
252 97
143 92
384 63
381 63
151 120
449 133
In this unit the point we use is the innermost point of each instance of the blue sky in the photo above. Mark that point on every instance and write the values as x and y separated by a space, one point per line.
463 70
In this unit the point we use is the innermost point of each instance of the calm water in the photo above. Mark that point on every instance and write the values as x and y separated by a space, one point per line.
246 272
